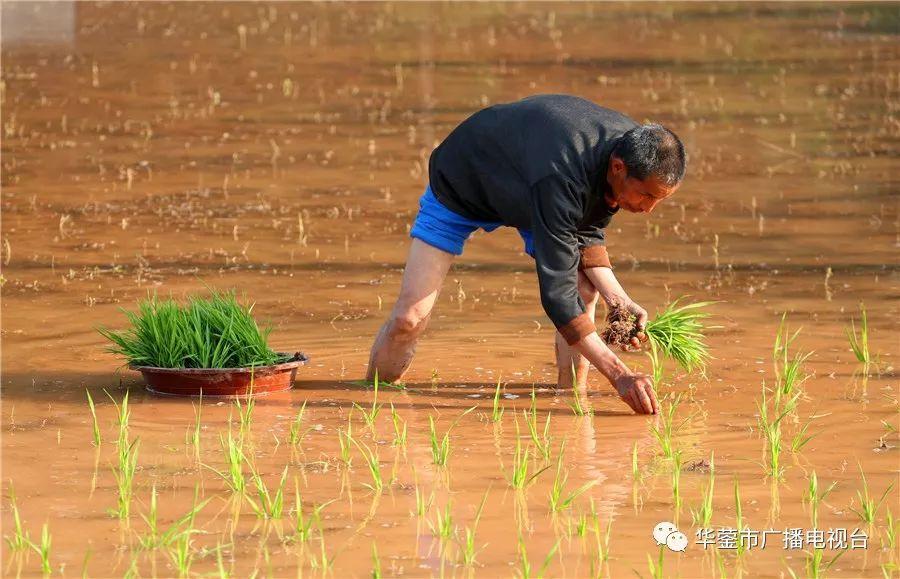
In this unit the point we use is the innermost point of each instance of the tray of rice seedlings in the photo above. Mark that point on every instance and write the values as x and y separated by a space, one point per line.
677 332
209 345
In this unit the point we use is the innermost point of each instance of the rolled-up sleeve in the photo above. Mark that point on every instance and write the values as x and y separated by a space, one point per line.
556 213
592 244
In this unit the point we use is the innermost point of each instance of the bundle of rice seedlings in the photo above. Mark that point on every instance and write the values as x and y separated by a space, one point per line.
677 332
212 332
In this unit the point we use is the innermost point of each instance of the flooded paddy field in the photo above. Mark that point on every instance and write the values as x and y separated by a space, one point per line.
281 149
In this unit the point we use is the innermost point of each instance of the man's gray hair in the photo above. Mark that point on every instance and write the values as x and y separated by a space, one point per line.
652 150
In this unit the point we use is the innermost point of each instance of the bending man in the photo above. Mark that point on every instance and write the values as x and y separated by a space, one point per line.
557 168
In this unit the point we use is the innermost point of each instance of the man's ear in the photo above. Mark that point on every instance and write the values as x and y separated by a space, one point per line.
617 166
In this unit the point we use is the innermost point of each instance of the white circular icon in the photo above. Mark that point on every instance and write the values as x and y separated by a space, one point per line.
661 531
677 541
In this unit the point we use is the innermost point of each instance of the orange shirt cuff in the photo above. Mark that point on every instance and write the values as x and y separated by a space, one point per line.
594 256
580 326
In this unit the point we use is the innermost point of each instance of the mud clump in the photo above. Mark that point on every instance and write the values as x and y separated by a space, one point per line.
621 327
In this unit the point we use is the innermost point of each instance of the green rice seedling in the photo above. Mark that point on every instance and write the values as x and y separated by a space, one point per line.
601 540
519 478
43 550
815 498
541 438
890 531
665 432
371 458
676 480
181 553
497 408
371 415
126 453
20 540
469 552
656 569
193 435
859 343
321 561
423 504
123 414
525 571
179 548
771 430
770 426
96 425
580 524
151 541
376 563
154 338
720 565
157 538
440 447
245 411
816 567
296 435
559 500
215 332
578 406
303 524
678 333
788 369
220 563
738 516
124 473
792 375
345 440
802 437
400 429
131 572
270 505
702 515
656 364
868 506
84 564
233 449
635 469
443 526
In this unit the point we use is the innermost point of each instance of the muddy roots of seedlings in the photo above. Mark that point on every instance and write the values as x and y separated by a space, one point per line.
621 327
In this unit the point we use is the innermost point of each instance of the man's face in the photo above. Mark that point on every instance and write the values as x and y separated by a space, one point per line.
632 194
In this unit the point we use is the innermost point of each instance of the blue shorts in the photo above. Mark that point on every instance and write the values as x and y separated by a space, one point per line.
441 228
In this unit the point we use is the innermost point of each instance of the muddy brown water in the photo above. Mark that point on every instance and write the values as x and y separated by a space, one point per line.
164 146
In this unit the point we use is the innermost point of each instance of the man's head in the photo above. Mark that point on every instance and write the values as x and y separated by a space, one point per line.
645 167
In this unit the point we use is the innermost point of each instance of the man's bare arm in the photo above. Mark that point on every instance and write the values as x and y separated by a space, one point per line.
634 388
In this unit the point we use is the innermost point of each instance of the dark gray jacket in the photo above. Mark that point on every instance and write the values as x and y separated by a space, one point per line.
538 164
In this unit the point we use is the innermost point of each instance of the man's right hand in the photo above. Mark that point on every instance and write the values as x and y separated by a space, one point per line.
637 391
634 388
